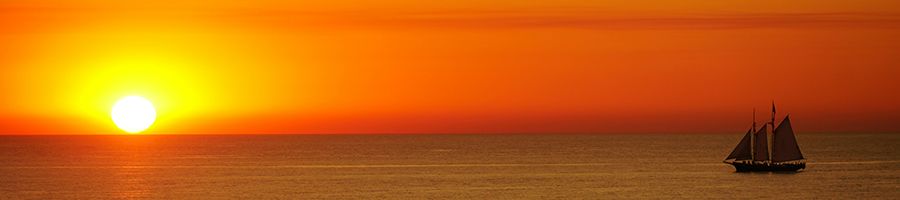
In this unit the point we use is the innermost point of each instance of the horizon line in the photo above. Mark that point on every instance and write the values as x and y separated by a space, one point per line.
460 133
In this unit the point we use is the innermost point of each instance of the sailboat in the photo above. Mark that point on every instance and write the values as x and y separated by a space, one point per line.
769 148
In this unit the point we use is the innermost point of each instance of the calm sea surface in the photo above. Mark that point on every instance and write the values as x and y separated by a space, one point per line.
435 166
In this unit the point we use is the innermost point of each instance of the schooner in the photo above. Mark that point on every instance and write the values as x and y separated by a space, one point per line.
765 150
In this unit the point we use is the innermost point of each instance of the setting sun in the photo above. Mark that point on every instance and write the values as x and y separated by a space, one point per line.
133 114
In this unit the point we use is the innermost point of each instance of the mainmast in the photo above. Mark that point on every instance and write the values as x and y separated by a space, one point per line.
771 137
753 136
773 114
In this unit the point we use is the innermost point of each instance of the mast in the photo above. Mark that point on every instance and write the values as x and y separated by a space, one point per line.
773 114
753 137
770 143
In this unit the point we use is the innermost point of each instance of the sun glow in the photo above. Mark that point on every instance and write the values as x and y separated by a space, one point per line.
133 114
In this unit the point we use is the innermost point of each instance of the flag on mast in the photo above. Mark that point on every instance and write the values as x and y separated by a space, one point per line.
773 113
773 106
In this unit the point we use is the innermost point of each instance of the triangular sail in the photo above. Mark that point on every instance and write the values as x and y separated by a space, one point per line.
742 150
761 145
784 144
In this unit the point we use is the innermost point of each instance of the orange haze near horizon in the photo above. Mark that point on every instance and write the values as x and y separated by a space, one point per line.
348 66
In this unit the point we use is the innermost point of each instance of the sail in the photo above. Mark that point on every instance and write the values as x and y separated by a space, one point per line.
761 145
784 144
742 150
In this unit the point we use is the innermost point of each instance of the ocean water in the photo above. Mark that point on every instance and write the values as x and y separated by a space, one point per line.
841 166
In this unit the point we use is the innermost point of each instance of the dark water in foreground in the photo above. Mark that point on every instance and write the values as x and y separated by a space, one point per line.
435 166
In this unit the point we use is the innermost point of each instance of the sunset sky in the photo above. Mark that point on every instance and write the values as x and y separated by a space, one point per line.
348 66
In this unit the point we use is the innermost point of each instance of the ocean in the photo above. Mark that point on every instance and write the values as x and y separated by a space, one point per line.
465 166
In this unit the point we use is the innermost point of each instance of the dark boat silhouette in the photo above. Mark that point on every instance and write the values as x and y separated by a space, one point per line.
764 150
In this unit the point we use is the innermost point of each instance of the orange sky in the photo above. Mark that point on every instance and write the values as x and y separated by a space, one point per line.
348 66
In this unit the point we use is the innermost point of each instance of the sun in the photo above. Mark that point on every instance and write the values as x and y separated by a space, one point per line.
133 114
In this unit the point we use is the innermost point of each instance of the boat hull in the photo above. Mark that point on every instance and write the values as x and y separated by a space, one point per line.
767 167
